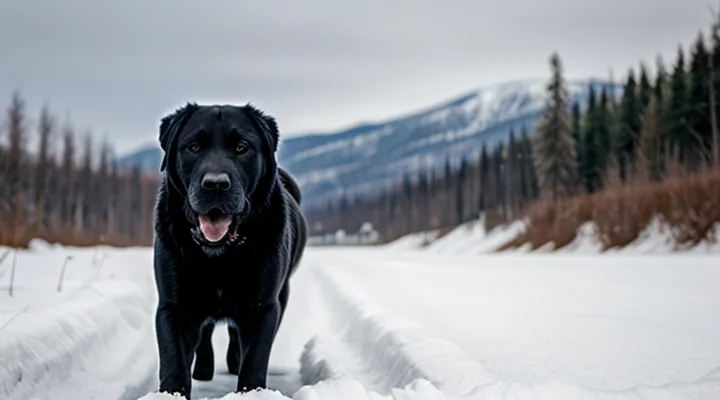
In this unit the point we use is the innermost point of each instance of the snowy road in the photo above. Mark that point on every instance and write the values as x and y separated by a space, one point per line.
373 323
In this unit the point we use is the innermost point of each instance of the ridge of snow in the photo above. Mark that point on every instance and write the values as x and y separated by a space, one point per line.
90 320
391 351
472 238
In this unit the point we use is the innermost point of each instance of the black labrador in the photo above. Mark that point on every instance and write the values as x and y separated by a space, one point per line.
228 235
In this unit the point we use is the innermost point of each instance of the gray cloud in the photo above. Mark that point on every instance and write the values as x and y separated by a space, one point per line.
315 64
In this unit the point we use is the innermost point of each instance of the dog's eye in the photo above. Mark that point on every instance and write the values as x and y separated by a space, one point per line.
241 148
194 147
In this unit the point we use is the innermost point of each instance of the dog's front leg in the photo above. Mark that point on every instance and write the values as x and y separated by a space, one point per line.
177 338
261 329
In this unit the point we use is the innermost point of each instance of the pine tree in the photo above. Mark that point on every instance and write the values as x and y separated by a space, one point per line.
590 160
661 94
530 185
577 134
715 91
499 168
650 143
604 123
511 175
628 127
553 144
676 117
424 199
660 79
447 194
484 177
645 89
698 142
459 192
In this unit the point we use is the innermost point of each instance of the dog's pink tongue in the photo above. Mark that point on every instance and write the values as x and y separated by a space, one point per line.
214 230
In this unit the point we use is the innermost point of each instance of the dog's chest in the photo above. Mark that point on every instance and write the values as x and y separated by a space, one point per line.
222 294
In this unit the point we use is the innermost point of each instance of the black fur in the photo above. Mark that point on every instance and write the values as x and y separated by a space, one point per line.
243 278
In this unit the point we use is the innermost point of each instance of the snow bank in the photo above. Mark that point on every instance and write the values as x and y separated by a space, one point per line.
93 337
472 238
49 345
412 241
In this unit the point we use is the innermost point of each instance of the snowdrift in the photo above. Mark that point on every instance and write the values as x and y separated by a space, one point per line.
472 238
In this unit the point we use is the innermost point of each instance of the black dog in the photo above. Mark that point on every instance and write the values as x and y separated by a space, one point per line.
228 236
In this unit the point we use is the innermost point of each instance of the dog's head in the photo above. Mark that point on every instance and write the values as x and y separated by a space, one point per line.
221 159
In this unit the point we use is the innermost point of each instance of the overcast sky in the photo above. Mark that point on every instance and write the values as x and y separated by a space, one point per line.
316 65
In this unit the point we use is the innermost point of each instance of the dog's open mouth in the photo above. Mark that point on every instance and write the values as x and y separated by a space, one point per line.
215 226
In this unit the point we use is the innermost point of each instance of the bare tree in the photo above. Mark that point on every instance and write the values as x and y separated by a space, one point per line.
17 132
46 127
68 174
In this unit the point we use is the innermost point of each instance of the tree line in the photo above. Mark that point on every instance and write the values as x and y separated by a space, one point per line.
73 193
663 125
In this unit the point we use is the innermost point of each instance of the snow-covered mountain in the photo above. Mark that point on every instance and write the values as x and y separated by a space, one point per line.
370 155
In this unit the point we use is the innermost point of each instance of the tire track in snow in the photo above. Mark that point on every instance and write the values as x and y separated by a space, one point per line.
382 350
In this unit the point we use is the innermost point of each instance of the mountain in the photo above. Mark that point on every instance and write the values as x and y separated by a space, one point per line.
372 155
148 159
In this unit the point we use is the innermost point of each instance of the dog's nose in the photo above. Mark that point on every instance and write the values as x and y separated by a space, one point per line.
214 181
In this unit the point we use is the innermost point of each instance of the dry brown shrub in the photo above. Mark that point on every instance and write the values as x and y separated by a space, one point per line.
493 218
688 203
557 222
622 213
693 207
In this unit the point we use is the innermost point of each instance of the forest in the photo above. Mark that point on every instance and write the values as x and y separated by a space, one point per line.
621 161
68 189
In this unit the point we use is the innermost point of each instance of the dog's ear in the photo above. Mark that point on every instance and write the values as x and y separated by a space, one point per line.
170 126
268 125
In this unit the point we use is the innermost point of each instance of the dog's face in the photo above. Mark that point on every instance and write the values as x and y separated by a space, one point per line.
223 158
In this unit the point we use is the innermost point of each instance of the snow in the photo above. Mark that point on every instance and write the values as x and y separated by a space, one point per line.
84 340
579 327
473 238
395 322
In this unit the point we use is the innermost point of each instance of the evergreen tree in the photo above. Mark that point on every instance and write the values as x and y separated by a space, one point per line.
698 141
590 157
529 166
660 79
499 168
459 192
553 144
628 128
650 143
715 93
484 177
448 194
512 174
577 134
676 117
645 89
604 123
